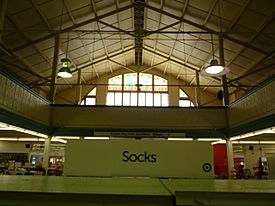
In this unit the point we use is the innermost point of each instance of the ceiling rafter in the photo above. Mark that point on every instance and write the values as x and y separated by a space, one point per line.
120 36
106 58
50 28
235 20
84 66
269 66
171 59
3 9
73 27
230 27
199 36
114 32
117 28
153 66
147 32
258 63
155 42
174 44
24 69
139 30
204 23
124 66
182 64
225 36
252 38
252 71
78 35
16 25
102 39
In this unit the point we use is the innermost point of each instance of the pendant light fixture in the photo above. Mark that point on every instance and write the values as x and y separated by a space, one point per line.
65 71
214 68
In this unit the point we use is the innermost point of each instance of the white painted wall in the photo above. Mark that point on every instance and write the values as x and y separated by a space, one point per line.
271 165
251 157
68 96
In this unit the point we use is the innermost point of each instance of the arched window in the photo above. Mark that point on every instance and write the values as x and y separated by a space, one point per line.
134 89
184 100
90 99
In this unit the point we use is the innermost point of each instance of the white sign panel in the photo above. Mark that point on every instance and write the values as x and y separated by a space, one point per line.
142 158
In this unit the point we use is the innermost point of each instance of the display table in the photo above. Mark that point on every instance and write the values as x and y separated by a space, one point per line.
43 190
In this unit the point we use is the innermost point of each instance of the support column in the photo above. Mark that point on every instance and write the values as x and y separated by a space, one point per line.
101 90
229 146
230 160
197 89
54 68
78 88
45 163
224 80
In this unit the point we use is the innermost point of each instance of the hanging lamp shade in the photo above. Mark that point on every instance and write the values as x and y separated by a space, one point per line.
214 67
65 71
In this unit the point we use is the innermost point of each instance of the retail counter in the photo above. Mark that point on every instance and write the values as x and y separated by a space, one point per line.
42 190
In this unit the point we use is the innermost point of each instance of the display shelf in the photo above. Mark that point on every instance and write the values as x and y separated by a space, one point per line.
80 191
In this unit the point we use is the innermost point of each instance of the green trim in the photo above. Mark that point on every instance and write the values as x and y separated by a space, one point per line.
91 131
143 107
262 123
20 121
23 122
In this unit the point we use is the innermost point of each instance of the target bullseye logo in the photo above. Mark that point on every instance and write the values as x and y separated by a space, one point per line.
206 167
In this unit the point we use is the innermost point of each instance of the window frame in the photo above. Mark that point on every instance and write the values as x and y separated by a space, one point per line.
90 96
184 98
149 94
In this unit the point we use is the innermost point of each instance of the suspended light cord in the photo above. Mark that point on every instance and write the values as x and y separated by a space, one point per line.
185 58
212 46
68 40
220 19
65 71
93 55
61 17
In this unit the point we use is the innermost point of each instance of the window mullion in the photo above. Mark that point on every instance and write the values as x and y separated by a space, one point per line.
122 92
138 88
153 89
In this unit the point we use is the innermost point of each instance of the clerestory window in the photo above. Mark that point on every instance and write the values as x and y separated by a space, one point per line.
134 89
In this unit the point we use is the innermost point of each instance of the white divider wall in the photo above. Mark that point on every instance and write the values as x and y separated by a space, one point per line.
13 147
146 158
141 118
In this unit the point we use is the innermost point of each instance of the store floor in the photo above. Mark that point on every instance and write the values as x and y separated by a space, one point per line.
42 190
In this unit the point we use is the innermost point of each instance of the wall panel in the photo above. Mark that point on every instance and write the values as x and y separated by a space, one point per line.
18 99
138 117
256 105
